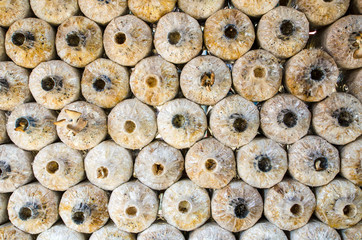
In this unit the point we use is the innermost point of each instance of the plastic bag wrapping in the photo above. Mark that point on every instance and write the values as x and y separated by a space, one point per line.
357 6
54 84
83 208
178 37
108 165
337 118
229 34
102 13
210 164
339 204
315 230
3 135
58 167
313 161
211 231
283 31
236 207
161 231
60 232
54 12
122 45
31 126
132 124
322 13
255 8
289 204
79 41
263 230
14 81
262 163
346 31
234 121
154 81
201 9
311 75
257 75
71 129
2 45
159 165
133 207
105 83
351 161
354 232
151 10
181 123
111 232
284 118
4 198
33 208
10 232
15 165
354 82
185 205
205 80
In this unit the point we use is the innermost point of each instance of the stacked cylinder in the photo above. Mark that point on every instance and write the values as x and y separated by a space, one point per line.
180 119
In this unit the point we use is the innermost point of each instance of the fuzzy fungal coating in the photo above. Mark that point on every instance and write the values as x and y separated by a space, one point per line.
61 232
3 135
9 232
351 165
14 89
2 45
158 165
338 118
211 231
4 198
111 232
79 41
234 121
127 40
105 83
154 81
315 230
83 208
133 207
283 31
58 167
12 11
200 9
103 11
354 83
151 10
33 208
54 84
161 231
56 11
263 230
255 8
132 124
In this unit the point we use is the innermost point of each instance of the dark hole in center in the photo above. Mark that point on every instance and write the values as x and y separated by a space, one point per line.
230 31
296 209
4 83
178 121
210 164
25 213
78 217
290 119
321 164
317 75
350 210
99 84
22 123
120 38
73 39
264 164
287 28
18 38
240 124
241 210
48 83
174 37
157 169
345 118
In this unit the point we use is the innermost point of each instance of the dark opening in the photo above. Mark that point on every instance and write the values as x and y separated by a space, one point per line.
4 170
350 210
21 124
52 167
178 121
48 83
321 164
328 0
287 28
78 217
317 74
210 164
259 72
102 172
283 2
184 206
120 38
4 83
230 31
129 126
73 39
264 163
151 82
131 211
25 213
288 117
240 124
18 38
157 169
241 210
99 84
296 209
174 37
344 117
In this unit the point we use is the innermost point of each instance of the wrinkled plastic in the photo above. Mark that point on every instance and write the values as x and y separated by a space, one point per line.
90 136
60 232
159 165
201 9
133 47
255 8
133 207
54 12
354 232
83 208
132 124
4 198
337 118
90 45
33 208
216 76
10 232
181 26
271 38
151 10
313 161
354 83
263 230
284 118
3 134
185 205
311 75
211 231
65 78
315 230
111 232
154 81
58 167
289 204
234 121
14 87
351 162
161 231
12 11
105 83
2 45
100 12
181 123
39 130
262 163
339 204
210 164
219 31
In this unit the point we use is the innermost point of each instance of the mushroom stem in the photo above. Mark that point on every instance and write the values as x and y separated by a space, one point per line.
358 43
208 80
